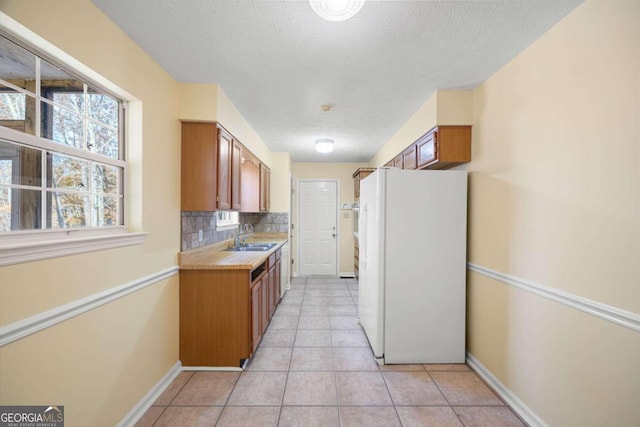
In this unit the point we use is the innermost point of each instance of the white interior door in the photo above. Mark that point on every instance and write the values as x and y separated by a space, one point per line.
318 234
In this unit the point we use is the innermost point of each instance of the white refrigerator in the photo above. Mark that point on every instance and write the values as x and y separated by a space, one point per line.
412 287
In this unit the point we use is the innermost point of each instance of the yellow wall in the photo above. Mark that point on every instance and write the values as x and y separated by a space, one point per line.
455 107
555 200
281 167
198 101
100 364
343 173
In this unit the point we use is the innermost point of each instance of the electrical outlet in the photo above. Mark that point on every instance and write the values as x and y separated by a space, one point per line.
200 235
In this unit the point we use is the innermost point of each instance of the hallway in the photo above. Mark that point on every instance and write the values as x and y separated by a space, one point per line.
314 368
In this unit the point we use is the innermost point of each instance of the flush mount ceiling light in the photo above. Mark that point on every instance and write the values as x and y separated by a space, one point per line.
336 10
324 145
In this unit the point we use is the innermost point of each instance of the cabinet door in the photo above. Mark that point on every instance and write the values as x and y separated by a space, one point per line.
356 187
256 316
236 183
225 144
265 313
265 176
397 161
278 283
199 166
427 149
409 159
272 287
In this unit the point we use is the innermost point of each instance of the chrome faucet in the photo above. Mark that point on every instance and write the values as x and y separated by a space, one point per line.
236 237
244 231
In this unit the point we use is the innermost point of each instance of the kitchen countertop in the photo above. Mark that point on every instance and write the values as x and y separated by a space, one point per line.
214 257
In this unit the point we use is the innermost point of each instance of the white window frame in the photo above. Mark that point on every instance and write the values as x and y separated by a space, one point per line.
32 245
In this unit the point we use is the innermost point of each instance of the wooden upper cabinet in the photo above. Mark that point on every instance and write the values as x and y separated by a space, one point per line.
409 158
213 170
236 176
225 144
358 176
265 178
444 147
199 166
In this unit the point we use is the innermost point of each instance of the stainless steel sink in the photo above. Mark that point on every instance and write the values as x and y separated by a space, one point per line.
261 245
252 247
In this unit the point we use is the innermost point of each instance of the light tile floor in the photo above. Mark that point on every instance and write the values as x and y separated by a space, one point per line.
314 367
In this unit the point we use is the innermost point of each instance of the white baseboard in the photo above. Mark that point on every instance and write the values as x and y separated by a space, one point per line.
145 403
518 406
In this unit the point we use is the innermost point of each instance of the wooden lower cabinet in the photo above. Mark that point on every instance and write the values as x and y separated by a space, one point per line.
224 313
356 259
215 317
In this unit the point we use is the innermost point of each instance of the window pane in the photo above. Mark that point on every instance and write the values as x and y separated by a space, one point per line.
19 209
17 65
5 207
68 172
6 168
20 165
53 81
69 210
17 110
12 104
102 140
73 101
105 211
62 125
102 108
105 179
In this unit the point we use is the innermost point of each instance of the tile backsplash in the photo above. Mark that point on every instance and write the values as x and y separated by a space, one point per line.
192 222
268 222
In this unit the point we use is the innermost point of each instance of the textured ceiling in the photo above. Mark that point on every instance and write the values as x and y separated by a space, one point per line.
278 61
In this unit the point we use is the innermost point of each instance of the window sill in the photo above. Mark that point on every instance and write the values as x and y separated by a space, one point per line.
227 227
33 246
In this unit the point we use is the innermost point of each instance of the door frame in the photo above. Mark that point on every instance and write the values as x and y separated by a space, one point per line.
337 213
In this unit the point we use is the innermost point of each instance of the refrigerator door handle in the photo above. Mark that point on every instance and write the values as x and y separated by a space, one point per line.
363 233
